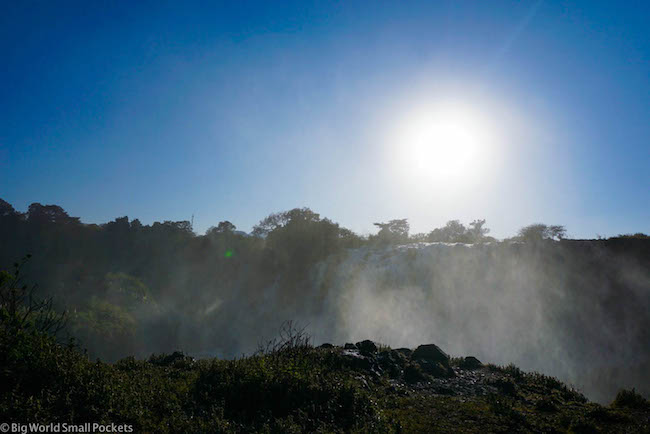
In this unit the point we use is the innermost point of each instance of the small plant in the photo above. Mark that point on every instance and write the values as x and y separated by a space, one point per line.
516 373
456 361
383 347
291 339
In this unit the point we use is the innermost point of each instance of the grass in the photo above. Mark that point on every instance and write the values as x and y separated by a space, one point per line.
284 388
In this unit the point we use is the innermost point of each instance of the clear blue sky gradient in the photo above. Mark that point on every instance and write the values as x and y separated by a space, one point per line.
160 110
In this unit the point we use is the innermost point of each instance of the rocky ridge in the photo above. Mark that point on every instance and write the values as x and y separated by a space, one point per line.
429 369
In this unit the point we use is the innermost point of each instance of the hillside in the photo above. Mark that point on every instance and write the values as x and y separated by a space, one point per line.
294 387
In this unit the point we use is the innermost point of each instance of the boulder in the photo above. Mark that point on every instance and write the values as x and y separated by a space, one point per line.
392 356
367 346
432 353
326 345
470 363
355 360
391 362
350 346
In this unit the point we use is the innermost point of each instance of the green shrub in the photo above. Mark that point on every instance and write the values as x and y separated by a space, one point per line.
630 399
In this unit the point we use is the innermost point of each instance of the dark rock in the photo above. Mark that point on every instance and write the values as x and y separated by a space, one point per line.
431 352
392 357
360 361
367 346
356 361
326 345
350 346
413 373
399 357
392 362
470 363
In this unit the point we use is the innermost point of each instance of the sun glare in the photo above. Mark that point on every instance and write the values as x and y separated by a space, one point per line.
448 143
445 145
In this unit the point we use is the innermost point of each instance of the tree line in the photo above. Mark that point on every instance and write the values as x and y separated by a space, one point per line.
132 288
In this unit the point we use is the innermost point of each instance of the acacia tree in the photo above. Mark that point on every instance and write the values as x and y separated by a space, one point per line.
393 232
477 231
556 232
540 231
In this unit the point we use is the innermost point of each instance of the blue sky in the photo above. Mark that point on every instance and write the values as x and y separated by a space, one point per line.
164 110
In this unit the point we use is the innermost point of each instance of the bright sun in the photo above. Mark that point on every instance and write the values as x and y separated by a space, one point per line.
445 145
442 144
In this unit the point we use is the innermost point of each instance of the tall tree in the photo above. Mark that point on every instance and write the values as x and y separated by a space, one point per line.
395 231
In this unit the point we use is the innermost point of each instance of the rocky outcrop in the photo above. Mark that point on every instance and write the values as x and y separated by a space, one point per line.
423 364
431 352
426 369
367 347
433 360
471 362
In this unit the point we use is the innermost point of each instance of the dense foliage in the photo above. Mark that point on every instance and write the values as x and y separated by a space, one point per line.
133 289
288 386
123 281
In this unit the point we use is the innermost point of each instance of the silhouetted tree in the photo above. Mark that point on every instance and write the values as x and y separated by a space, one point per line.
453 232
280 219
222 227
38 213
124 271
556 232
6 209
540 231
393 232
418 238
477 230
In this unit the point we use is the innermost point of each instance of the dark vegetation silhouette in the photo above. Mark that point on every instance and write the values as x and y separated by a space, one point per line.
119 279
134 289
539 231
287 386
